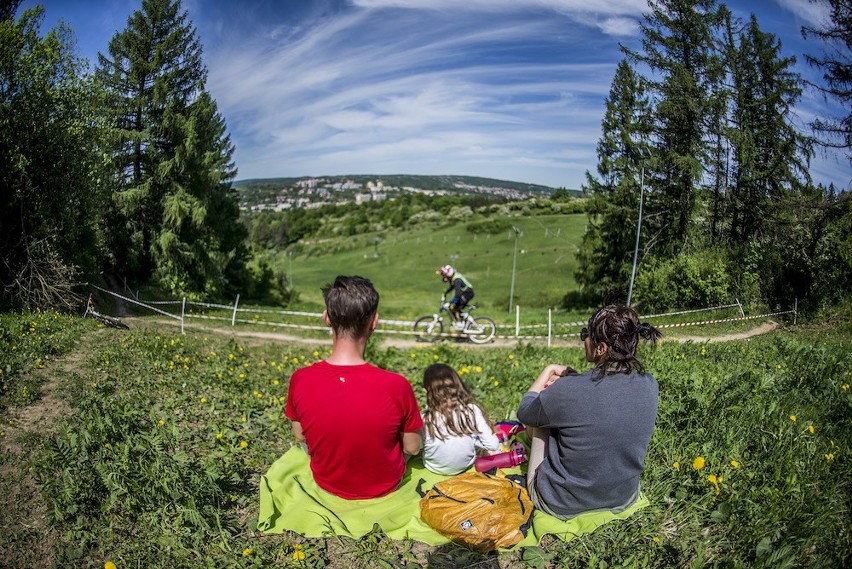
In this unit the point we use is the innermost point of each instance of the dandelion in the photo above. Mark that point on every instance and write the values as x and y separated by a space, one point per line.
478 369
793 418
244 420
735 463
243 444
109 565
275 382
204 400
298 554
778 366
656 539
829 457
496 383
811 429
712 479
316 354
218 436
698 463
161 422
511 356
247 552
413 355
845 387
676 465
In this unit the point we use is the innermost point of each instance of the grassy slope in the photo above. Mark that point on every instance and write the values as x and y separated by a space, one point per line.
404 271
149 470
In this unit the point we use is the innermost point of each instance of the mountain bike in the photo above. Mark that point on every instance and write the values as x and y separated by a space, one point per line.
109 321
479 329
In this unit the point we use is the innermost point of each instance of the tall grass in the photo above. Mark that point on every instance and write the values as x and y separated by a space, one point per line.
158 464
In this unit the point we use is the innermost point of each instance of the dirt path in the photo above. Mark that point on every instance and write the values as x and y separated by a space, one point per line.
388 340
25 512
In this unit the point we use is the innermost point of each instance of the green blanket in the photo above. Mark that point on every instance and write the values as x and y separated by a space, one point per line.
291 500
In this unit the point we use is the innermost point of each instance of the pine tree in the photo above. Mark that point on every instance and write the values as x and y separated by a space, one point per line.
836 64
172 156
606 254
679 47
769 153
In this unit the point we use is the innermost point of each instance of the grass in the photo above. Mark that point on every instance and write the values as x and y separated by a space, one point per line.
158 460
404 270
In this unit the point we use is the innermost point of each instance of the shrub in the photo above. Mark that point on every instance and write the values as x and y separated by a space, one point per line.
694 280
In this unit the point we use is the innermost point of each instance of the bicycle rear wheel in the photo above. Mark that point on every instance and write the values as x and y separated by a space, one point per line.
112 322
428 328
482 330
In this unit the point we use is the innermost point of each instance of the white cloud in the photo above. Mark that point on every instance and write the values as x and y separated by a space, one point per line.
813 13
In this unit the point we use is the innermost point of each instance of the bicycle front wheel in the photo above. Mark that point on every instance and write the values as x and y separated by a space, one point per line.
428 328
482 330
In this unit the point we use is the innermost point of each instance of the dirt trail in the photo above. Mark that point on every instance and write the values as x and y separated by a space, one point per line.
388 340
18 492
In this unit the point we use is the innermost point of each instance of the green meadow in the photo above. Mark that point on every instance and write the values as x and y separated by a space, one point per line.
402 264
144 448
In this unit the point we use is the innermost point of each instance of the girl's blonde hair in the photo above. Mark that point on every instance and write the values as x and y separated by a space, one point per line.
447 398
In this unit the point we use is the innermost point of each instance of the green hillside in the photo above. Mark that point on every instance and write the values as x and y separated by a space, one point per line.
404 269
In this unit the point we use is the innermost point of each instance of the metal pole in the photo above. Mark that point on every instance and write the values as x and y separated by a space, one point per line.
638 232
514 262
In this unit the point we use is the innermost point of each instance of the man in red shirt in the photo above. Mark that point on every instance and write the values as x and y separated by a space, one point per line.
358 421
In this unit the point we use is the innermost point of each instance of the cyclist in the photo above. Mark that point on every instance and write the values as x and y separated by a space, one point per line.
462 292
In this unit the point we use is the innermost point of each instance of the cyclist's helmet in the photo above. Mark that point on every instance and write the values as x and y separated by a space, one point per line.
446 272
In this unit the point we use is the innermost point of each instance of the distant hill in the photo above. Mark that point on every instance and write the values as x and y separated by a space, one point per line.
285 193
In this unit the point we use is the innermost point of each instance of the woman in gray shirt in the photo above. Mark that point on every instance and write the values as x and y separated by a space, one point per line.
589 432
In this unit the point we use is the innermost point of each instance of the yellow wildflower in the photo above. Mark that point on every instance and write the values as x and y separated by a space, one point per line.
811 429
676 465
511 356
712 479
829 457
161 422
243 444
496 384
109 565
656 539
219 436
735 463
298 555
204 400
478 369
247 551
793 418
845 387
698 463
275 382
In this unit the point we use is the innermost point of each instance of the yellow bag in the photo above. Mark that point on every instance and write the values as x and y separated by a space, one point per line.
478 510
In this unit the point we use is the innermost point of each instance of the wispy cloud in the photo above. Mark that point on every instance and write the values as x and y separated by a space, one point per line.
379 89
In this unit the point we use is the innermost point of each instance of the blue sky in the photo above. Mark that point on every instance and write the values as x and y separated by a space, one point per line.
508 89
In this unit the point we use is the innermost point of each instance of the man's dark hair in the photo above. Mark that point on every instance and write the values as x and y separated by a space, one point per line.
350 303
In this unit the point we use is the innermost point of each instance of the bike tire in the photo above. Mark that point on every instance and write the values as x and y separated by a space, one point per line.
428 328
113 322
483 330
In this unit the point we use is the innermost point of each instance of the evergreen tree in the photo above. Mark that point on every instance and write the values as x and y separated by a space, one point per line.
606 254
836 64
679 47
769 153
176 214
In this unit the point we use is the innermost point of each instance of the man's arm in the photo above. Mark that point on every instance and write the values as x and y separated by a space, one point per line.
298 434
411 443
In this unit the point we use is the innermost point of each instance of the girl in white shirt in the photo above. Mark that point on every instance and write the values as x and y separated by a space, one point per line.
456 428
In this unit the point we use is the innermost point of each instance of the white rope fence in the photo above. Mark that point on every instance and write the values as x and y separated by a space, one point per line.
406 327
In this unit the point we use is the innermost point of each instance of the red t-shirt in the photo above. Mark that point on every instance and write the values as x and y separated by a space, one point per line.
353 418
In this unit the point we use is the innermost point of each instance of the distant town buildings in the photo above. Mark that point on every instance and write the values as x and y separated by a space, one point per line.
317 192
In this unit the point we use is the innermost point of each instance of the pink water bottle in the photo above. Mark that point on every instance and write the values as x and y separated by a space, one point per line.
514 457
